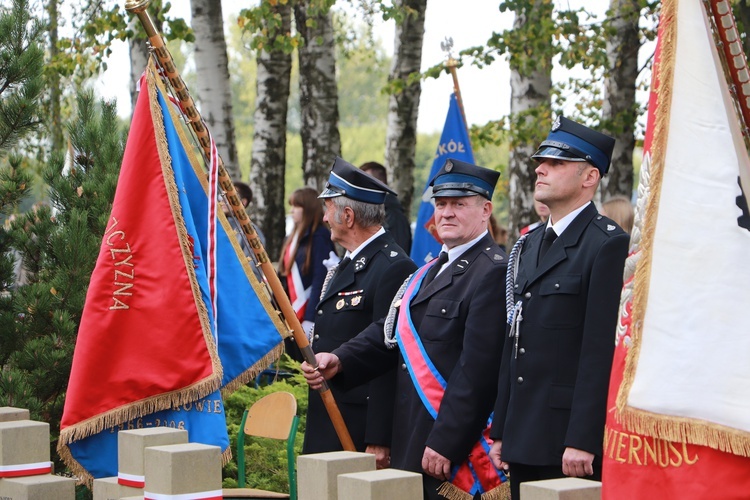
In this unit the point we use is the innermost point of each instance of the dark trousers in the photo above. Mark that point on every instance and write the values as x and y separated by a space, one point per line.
520 473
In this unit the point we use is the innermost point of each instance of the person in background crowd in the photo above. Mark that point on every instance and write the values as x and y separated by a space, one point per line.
357 292
542 211
396 220
444 334
301 260
498 232
552 393
619 209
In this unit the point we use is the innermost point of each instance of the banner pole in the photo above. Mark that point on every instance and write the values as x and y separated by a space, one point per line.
191 113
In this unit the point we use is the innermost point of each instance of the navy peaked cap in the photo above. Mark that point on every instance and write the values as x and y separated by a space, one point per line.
347 180
459 178
572 141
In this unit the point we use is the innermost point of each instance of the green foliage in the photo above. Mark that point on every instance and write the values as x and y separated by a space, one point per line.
21 65
57 246
265 458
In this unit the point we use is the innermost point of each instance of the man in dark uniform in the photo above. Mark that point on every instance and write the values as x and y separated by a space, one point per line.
396 221
551 406
445 334
356 294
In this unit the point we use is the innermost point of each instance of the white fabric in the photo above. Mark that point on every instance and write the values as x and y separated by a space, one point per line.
458 250
185 496
695 347
563 223
361 247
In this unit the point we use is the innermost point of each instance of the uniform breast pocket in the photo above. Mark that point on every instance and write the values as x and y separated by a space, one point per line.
435 325
560 302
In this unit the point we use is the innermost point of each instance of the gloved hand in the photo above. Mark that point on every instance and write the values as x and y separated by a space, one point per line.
332 260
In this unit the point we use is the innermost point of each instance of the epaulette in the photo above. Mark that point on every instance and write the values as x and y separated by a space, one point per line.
607 225
495 254
393 251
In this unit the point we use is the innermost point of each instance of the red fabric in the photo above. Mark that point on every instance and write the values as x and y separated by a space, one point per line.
140 303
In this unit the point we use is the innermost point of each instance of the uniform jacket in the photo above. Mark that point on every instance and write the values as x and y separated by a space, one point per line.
357 295
459 319
552 394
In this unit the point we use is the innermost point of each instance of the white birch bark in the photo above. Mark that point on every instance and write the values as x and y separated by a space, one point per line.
319 129
403 107
214 90
268 163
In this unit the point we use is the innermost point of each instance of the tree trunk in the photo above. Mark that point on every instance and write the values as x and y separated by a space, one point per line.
55 95
403 107
619 108
530 83
138 50
267 166
318 93
214 90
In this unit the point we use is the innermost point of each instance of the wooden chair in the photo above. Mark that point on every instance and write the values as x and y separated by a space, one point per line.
273 416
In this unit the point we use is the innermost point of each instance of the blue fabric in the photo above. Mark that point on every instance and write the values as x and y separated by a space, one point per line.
454 143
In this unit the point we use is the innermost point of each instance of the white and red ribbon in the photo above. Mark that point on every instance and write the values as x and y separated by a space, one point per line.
21 470
132 480
202 495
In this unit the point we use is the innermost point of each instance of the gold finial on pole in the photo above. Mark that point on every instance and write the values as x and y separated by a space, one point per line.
452 63
191 113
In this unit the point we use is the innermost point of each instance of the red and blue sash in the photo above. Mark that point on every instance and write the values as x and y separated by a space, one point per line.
476 474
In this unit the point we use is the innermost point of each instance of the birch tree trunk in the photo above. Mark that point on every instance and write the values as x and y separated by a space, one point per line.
619 110
214 91
319 129
403 107
138 50
268 163
530 82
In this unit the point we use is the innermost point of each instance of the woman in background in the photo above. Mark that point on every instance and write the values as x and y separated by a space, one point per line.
301 261
619 209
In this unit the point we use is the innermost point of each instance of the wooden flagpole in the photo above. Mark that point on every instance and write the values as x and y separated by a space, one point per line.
193 116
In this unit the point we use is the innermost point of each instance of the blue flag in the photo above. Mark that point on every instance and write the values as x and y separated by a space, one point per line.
246 326
454 143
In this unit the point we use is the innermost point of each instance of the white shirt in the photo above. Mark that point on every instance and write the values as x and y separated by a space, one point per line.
563 223
458 250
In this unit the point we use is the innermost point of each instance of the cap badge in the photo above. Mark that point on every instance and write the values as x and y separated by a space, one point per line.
448 166
556 125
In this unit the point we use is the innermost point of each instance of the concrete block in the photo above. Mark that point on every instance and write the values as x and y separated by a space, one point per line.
181 469
569 488
130 451
44 487
317 473
108 488
24 446
9 413
385 484
137 497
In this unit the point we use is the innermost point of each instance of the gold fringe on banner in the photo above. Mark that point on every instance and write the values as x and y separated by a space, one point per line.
452 492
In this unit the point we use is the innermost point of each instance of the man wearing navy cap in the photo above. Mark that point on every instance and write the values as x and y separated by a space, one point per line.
551 405
353 296
444 334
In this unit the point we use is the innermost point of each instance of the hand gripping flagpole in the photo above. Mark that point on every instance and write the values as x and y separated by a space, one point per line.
191 113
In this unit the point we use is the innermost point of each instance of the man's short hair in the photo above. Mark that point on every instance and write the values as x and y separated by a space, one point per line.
244 191
376 170
366 214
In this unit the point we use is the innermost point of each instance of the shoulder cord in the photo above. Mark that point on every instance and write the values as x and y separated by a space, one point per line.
390 319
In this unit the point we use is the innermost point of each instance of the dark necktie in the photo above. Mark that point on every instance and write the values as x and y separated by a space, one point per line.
342 265
547 240
549 237
442 259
